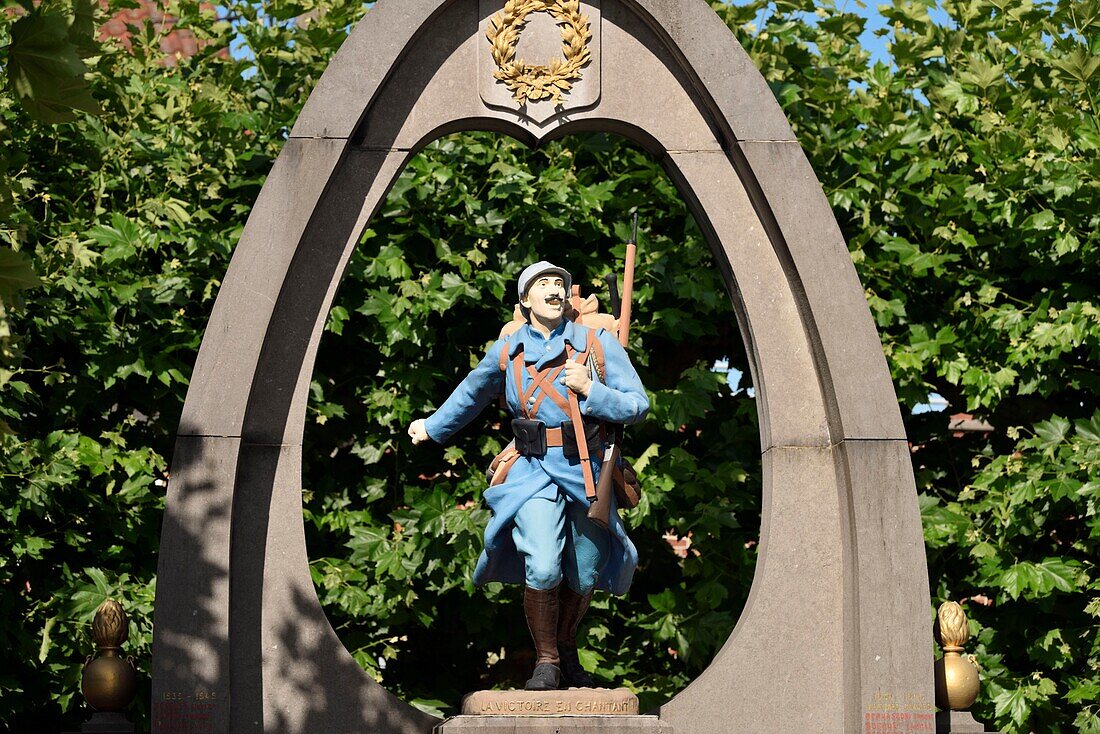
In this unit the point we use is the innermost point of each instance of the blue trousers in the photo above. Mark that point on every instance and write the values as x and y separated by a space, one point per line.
539 531
555 538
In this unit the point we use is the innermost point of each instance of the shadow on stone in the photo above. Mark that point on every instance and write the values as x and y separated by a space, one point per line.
190 634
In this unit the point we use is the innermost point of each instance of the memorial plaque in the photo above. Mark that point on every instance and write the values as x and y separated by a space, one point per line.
570 702
554 725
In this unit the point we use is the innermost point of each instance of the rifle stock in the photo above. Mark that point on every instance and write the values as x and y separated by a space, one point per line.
599 511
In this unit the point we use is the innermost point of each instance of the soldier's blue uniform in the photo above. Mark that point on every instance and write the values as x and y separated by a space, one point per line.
539 531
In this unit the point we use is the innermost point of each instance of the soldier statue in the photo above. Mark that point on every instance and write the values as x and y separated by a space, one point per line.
566 384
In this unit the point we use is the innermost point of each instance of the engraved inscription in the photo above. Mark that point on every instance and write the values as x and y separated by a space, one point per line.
908 713
185 713
898 722
571 702
556 707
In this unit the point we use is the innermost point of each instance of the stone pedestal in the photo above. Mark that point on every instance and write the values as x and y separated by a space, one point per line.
106 723
553 725
608 710
588 702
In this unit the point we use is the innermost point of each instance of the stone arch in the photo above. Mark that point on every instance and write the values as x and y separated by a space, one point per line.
836 626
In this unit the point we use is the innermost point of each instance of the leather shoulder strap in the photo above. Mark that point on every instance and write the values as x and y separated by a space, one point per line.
504 355
597 351
504 369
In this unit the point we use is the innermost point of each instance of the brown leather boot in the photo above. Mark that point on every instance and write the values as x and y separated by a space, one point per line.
541 608
571 610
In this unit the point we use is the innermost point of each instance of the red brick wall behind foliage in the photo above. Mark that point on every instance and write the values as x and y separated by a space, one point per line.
176 43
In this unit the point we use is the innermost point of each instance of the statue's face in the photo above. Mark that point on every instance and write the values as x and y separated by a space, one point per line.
546 297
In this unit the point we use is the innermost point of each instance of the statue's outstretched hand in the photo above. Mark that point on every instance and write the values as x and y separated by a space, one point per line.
417 432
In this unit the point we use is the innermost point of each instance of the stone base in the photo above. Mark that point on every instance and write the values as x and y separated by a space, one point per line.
957 722
106 723
553 725
568 702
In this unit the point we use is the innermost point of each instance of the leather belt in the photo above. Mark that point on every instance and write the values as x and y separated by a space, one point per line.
553 438
533 438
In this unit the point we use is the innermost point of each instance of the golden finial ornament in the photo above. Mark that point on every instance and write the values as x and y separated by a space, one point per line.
109 681
956 675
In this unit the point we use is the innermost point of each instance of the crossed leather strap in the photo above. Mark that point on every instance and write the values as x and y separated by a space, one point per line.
544 380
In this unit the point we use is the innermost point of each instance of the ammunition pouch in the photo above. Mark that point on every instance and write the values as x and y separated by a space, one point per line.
592 437
530 436
533 438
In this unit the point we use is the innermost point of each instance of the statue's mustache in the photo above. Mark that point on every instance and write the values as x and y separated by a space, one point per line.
554 299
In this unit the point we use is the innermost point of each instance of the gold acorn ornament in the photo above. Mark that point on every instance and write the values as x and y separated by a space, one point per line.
109 681
957 680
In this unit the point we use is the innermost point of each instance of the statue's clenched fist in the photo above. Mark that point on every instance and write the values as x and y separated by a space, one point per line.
417 432
577 377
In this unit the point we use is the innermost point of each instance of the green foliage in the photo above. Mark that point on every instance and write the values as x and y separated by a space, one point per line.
1025 532
128 219
963 175
45 69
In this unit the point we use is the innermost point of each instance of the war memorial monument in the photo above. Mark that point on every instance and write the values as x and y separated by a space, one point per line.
836 634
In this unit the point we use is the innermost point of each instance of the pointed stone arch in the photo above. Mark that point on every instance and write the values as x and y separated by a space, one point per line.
837 624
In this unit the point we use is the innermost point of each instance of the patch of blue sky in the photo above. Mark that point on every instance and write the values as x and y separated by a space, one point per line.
733 377
936 404
239 49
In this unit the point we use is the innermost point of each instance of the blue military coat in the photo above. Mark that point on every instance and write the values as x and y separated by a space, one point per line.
619 399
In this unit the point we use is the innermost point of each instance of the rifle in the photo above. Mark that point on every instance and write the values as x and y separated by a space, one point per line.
599 511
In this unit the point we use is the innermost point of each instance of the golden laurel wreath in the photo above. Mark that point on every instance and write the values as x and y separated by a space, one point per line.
530 81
